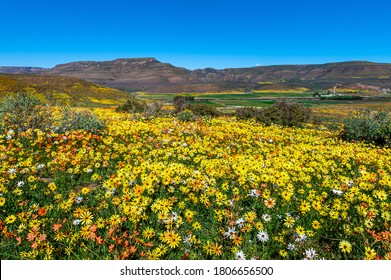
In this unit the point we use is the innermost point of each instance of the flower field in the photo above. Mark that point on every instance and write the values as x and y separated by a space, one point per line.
206 189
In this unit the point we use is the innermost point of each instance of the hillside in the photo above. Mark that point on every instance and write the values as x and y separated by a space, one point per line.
21 70
61 90
150 75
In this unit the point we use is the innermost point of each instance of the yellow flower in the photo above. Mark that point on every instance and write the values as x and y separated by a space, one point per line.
10 219
289 221
148 233
2 201
86 218
316 225
370 253
345 246
115 220
196 225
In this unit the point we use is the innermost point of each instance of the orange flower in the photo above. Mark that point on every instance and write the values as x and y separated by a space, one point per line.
42 211
56 227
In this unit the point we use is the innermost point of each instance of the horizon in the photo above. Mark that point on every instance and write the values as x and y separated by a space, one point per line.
168 62
196 34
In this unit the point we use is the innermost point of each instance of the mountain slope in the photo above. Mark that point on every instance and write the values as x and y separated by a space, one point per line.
148 74
60 90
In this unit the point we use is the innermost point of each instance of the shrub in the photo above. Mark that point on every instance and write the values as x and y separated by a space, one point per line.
23 112
368 126
284 113
203 110
245 113
132 105
152 109
85 120
185 115
179 104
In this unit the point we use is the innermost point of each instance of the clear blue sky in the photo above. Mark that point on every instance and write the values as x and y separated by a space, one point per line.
195 33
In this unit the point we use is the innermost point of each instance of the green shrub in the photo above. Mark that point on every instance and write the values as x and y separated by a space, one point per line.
245 113
85 120
132 105
284 113
185 115
23 111
368 126
203 110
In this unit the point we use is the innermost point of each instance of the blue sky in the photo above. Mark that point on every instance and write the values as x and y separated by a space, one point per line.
195 33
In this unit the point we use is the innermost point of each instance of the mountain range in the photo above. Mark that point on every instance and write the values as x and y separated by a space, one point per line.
151 75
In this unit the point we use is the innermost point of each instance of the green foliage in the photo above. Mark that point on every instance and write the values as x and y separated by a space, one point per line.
132 105
185 115
245 113
23 111
284 113
368 126
84 120
203 110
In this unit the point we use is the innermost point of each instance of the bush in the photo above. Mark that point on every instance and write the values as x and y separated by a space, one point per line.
132 105
152 109
284 113
246 113
179 103
85 120
23 112
368 126
185 115
203 110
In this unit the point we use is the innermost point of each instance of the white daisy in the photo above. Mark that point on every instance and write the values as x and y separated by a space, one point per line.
310 254
263 236
266 217
240 222
239 255
291 247
230 233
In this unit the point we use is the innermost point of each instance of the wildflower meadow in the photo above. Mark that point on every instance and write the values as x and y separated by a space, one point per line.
204 188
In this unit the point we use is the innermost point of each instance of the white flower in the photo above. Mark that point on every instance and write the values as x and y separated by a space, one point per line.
9 137
300 238
20 184
291 246
40 166
240 222
174 216
263 236
239 255
11 171
337 192
254 193
89 170
187 239
310 254
79 199
266 217
230 233
76 222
